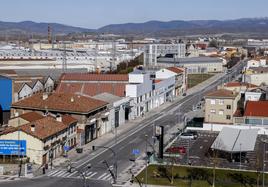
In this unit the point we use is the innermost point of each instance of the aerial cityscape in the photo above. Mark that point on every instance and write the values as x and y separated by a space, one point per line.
133 93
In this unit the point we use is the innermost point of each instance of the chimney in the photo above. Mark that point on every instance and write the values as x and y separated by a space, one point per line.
59 118
33 127
72 99
45 96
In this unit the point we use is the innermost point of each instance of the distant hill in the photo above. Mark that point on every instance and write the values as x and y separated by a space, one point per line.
150 28
249 25
38 28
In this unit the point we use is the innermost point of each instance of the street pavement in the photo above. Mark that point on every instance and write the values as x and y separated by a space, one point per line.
132 136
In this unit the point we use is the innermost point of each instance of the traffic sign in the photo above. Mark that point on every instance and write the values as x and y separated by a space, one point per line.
136 151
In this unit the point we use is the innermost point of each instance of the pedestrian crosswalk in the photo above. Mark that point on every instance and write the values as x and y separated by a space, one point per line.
8 178
75 174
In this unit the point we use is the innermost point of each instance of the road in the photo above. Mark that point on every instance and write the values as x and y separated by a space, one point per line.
135 138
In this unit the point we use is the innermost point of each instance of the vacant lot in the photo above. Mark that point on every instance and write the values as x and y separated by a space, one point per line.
190 176
194 79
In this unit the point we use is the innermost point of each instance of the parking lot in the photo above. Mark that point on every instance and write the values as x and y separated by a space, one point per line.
197 152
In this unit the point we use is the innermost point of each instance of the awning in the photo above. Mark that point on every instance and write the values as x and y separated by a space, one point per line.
235 140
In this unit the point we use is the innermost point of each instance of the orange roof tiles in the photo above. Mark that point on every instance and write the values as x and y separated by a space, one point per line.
222 93
63 102
31 116
256 108
94 77
237 84
175 69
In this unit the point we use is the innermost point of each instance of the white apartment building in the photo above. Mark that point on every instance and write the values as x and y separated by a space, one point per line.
152 51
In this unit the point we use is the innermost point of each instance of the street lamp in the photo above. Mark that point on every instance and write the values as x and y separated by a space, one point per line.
115 159
146 169
240 156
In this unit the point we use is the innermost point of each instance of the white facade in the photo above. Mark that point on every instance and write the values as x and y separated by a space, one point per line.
257 79
256 63
152 51
252 96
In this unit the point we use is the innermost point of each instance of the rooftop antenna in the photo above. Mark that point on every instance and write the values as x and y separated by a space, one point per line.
64 59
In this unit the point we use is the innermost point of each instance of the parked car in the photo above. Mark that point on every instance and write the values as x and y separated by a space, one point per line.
187 135
180 150
184 94
194 133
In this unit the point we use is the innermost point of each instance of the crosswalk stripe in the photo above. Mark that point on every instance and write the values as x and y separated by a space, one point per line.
102 175
72 174
55 172
93 174
60 174
110 178
67 173
89 173
106 177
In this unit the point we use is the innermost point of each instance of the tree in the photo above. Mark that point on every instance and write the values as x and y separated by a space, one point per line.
213 43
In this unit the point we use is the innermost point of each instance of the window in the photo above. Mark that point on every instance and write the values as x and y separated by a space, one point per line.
213 111
221 101
212 101
228 117
228 107
221 112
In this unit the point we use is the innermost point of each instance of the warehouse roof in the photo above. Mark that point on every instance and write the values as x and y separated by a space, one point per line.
94 77
190 60
235 140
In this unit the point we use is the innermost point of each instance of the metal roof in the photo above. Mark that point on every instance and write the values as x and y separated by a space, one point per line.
235 140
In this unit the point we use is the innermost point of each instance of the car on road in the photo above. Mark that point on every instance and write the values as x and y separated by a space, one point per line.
180 150
184 94
187 135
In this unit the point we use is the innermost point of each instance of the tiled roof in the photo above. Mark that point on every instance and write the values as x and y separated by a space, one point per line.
31 116
68 120
94 77
62 102
256 108
222 93
92 89
43 128
237 84
175 69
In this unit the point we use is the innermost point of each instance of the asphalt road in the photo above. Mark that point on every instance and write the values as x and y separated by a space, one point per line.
134 139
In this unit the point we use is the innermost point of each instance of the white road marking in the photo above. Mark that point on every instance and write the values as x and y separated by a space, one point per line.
92 175
102 175
53 172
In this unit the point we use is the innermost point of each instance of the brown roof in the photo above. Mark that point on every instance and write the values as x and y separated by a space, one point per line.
31 116
256 108
94 77
237 84
222 93
62 102
175 69
43 128
8 72
92 89
157 80
68 120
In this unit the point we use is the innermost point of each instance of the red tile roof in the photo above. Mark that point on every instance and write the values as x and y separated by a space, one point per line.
256 108
222 93
94 77
92 89
176 70
62 102
68 120
157 80
43 128
237 84
31 116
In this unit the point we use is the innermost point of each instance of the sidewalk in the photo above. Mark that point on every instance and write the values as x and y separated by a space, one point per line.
121 130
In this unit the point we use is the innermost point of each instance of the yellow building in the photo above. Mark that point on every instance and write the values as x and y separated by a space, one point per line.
45 138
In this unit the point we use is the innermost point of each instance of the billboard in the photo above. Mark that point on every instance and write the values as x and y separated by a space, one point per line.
13 147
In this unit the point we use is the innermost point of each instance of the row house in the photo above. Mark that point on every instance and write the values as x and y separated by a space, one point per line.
40 140
91 113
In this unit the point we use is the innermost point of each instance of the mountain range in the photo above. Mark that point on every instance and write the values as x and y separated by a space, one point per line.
150 28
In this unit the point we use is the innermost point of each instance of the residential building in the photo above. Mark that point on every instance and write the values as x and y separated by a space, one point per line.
43 139
256 113
256 75
153 51
180 78
118 111
90 113
220 105
194 64
239 87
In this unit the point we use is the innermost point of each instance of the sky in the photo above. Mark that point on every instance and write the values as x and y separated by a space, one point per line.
97 13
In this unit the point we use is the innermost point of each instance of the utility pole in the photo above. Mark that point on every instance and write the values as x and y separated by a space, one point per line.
146 169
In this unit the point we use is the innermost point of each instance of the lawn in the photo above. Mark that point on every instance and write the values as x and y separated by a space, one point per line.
195 79
196 177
